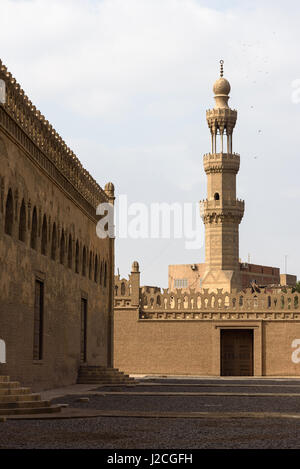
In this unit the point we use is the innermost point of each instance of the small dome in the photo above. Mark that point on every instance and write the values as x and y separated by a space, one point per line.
135 267
222 86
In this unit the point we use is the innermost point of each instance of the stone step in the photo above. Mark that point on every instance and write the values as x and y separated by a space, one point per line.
106 385
9 385
97 367
109 371
16 400
4 379
26 411
112 378
105 382
16 391
24 404
24 397
102 375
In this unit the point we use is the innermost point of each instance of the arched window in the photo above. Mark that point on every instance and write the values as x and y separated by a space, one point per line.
123 288
96 269
9 213
62 248
22 223
116 290
53 242
44 236
70 252
84 261
217 196
90 266
105 274
33 238
77 258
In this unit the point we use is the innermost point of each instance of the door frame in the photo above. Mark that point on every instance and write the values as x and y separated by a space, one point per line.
256 326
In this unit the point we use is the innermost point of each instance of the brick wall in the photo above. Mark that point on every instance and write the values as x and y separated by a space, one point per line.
193 347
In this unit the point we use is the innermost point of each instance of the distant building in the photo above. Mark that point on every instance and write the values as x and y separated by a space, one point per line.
192 276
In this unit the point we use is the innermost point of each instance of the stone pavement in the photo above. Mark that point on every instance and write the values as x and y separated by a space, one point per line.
208 388
165 413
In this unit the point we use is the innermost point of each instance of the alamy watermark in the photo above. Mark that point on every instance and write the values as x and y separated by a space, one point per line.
2 351
296 93
2 92
296 353
151 221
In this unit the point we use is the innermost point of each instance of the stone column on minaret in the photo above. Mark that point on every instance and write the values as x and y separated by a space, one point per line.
221 212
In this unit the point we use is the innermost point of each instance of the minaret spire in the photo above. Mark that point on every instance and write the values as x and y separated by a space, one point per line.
221 68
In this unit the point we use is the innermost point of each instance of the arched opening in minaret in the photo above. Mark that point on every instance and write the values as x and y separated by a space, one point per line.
217 196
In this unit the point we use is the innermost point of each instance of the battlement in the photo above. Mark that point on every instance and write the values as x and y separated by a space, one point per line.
225 112
221 157
219 206
25 123
152 302
236 302
122 287
221 163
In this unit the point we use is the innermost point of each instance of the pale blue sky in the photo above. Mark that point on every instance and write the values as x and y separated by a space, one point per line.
127 82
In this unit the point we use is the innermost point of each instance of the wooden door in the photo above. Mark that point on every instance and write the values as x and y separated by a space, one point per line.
236 352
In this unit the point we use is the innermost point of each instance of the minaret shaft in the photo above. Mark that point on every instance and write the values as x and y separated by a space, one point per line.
222 212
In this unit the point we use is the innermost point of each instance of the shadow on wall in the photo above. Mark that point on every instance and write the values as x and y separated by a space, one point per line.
2 351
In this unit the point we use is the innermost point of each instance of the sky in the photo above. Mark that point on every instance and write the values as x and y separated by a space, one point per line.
126 83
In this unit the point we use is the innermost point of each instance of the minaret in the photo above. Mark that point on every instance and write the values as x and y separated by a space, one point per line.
222 212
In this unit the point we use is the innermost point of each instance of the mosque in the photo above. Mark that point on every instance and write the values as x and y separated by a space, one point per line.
219 318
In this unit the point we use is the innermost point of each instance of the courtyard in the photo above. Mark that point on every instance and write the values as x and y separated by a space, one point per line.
165 413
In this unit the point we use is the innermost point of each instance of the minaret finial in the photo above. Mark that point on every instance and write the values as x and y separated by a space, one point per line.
221 68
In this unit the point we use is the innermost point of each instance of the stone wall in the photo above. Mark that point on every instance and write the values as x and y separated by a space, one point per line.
45 234
179 332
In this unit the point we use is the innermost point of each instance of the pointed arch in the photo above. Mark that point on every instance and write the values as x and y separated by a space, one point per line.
62 248
44 241
33 237
90 265
53 242
70 252
9 213
101 272
105 274
22 223
84 261
77 257
96 269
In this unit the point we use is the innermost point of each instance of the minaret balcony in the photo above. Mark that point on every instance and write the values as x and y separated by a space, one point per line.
218 210
221 162
221 116
221 120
